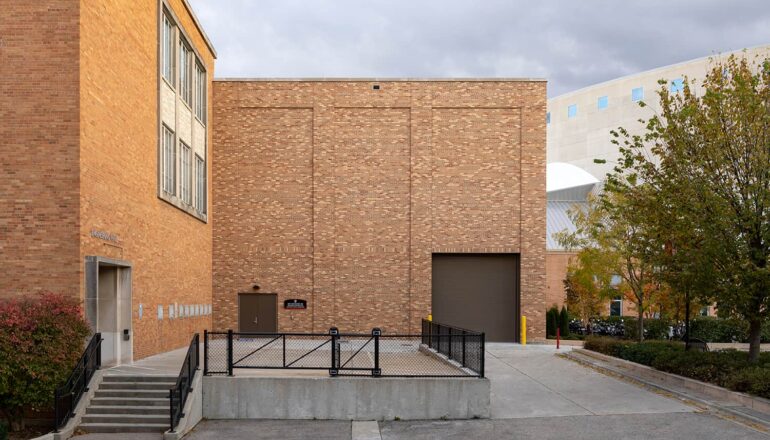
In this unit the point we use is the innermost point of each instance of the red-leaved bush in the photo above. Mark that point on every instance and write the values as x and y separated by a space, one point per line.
41 338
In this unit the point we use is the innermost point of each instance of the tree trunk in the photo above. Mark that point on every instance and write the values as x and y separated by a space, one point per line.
640 323
755 337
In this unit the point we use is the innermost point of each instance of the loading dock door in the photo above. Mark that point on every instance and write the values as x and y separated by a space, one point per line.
257 312
478 292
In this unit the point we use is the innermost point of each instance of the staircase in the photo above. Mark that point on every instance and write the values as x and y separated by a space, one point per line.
129 404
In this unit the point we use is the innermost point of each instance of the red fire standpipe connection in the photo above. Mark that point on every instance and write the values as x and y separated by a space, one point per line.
557 338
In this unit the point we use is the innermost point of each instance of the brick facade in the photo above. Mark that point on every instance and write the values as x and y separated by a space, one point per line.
338 193
39 137
324 190
79 123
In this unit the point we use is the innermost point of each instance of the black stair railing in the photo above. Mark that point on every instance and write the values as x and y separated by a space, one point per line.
177 396
67 396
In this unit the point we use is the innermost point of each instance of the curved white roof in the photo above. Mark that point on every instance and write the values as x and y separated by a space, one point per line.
560 175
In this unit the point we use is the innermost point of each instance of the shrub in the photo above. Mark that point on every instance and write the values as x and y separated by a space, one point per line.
3 431
564 322
551 321
719 330
605 345
753 380
646 353
41 339
654 328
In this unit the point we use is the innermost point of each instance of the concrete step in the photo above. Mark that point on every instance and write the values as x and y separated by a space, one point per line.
128 394
127 409
136 401
138 378
136 385
126 418
124 427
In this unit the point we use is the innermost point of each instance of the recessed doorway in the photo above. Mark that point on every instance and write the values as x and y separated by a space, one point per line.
108 307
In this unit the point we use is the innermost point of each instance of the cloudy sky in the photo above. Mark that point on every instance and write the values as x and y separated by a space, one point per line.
571 43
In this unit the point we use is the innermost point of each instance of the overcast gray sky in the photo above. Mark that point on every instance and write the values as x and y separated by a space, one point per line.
571 43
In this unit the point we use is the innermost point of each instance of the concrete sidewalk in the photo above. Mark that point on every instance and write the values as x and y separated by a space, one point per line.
535 395
532 381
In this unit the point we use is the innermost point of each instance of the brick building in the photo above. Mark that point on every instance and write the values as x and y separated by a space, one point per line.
83 103
134 183
367 198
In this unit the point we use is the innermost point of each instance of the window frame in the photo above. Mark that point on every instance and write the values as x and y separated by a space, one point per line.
176 168
676 86
185 173
201 185
168 156
640 91
619 301
185 71
201 89
168 46
602 102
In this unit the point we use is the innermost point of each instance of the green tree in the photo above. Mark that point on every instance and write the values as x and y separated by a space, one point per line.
587 284
705 160
615 230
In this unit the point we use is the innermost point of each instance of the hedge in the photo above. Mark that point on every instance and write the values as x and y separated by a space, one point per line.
729 368
708 329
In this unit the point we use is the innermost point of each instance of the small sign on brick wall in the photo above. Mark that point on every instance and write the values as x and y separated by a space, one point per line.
295 304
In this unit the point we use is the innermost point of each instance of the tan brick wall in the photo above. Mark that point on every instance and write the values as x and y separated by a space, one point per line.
170 250
556 263
339 194
39 168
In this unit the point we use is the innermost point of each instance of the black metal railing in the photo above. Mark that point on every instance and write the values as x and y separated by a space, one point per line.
67 396
348 354
177 396
463 346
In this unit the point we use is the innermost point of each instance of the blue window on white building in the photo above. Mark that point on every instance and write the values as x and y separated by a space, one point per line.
637 94
572 111
602 102
548 118
677 85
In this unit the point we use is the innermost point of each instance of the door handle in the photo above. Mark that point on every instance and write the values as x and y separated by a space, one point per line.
256 320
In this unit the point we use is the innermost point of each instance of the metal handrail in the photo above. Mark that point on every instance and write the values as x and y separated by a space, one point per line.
433 339
177 396
67 396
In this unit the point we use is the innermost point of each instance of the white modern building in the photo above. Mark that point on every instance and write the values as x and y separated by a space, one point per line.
579 126
579 122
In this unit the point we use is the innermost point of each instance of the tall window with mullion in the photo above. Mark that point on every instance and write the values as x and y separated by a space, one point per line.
186 173
200 92
185 71
200 184
168 159
168 40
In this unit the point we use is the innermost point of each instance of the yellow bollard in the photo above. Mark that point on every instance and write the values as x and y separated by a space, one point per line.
523 330
430 317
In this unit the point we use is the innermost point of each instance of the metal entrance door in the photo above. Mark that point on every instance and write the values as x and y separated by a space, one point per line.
257 313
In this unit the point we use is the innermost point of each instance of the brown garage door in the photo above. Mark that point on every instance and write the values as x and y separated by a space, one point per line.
478 292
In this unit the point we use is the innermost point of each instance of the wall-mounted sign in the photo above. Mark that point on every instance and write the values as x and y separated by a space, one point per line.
103 235
295 304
